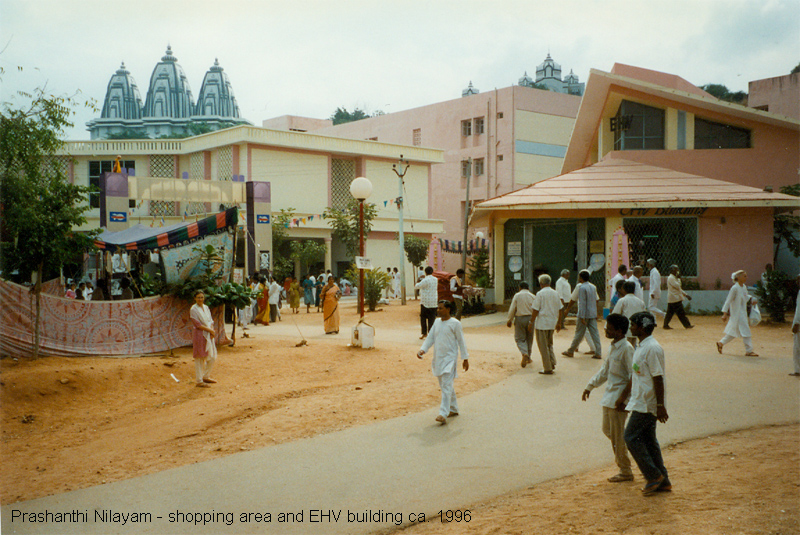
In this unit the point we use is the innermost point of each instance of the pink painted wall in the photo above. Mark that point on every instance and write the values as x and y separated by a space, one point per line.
744 241
776 95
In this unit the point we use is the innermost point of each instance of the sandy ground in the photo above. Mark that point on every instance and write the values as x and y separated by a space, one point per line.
75 423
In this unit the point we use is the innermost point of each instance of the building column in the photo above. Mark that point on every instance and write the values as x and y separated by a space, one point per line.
498 243
328 254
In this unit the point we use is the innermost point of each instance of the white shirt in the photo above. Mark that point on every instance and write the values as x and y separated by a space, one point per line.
736 306
428 291
563 290
274 293
616 369
796 319
639 292
655 282
674 291
521 304
447 337
648 362
548 303
628 305
613 283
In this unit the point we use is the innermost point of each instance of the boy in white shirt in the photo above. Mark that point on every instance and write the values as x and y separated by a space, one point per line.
447 337
616 373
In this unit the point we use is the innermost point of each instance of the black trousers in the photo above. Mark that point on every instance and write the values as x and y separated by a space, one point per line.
674 309
426 318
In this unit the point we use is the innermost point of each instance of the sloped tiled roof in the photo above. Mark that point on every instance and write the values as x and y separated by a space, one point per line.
618 183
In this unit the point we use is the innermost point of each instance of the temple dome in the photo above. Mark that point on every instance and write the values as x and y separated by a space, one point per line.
548 69
123 100
216 95
526 80
169 94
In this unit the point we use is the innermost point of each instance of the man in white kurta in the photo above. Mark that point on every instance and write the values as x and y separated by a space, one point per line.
545 315
655 289
447 338
636 278
734 311
796 334
564 292
622 275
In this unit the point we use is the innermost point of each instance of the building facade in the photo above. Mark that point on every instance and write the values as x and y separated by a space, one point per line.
307 173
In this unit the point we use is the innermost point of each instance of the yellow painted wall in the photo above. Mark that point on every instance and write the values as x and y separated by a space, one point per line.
385 186
541 128
529 168
299 180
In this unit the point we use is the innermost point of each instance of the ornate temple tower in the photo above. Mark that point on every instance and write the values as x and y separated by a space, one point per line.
216 95
169 94
122 107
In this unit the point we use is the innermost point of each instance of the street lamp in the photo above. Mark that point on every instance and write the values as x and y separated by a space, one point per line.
361 189
400 170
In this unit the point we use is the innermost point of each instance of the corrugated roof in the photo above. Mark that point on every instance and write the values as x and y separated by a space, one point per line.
618 183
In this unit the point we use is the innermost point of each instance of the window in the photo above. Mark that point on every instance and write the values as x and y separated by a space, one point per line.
638 127
711 135
464 168
499 114
466 127
668 240
478 126
96 170
417 137
343 172
478 166
499 157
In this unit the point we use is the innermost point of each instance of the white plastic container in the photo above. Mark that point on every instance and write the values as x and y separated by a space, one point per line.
363 336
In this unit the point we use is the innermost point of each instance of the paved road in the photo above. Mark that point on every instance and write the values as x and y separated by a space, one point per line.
527 429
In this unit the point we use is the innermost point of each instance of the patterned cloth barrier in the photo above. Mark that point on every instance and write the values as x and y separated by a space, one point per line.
74 328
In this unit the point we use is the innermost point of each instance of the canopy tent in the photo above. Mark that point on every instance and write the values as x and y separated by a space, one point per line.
142 238
176 244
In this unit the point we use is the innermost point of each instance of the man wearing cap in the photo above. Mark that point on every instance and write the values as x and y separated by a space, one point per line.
655 289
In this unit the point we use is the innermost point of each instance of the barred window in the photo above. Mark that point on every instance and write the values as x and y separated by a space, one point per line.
478 167
417 137
466 127
464 168
343 172
666 240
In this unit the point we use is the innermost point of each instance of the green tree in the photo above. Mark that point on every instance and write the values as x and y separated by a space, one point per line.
130 133
416 249
307 253
40 207
723 93
375 281
478 269
796 69
787 227
282 263
345 224
341 115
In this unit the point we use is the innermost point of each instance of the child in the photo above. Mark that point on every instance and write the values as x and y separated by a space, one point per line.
616 369
447 337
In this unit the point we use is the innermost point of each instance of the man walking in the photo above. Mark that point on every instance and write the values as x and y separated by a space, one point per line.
519 313
675 297
647 405
457 289
544 319
429 297
796 334
628 305
564 292
274 299
655 289
637 279
447 337
587 317
616 373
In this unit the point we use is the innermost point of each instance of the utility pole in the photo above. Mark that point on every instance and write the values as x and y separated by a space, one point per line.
466 219
400 170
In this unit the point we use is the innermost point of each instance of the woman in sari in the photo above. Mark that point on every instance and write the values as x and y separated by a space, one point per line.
263 302
330 306
318 286
203 334
294 296
308 293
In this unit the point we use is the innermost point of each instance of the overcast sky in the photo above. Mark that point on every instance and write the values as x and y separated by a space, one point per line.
302 57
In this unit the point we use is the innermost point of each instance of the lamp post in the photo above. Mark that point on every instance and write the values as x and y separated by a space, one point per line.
361 189
400 169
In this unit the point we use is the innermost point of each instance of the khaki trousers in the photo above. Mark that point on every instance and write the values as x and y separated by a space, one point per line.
544 340
614 429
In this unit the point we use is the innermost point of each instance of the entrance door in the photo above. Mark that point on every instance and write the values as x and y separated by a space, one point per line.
553 247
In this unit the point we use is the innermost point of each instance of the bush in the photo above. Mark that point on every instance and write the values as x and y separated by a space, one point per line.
375 281
776 296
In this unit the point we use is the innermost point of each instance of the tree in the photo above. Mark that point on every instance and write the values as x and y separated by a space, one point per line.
796 69
416 249
39 206
375 281
478 269
787 227
341 115
345 224
307 253
723 93
282 265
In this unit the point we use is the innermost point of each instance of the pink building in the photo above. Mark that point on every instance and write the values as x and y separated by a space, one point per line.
779 95
686 177
503 139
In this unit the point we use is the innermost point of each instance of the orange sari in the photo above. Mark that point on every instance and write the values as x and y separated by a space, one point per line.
263 306
330 308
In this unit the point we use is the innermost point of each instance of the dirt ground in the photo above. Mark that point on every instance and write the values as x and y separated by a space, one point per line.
78 422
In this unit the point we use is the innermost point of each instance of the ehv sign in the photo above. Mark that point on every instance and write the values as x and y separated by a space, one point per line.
362 262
